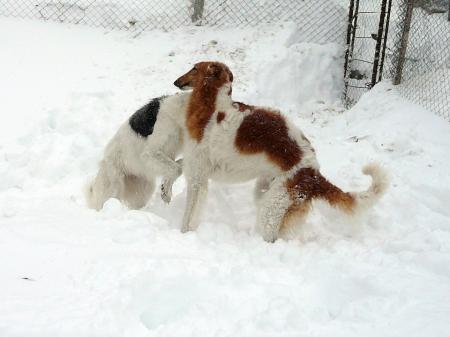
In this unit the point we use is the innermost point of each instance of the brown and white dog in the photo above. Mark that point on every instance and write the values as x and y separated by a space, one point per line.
235 142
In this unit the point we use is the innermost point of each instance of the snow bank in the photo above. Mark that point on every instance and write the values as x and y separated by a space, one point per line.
305 74
70 271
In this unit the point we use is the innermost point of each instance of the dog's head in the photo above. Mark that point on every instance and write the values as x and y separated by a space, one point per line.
211 73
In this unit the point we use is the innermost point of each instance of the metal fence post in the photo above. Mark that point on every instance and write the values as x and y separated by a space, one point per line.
376 58
403 42
351 32
386 35
349 35
198 10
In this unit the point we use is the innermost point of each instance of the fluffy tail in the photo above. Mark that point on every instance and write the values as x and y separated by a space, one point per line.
352 202
380 184
308 184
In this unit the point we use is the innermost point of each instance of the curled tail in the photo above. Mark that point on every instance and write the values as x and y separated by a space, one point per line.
308 184
380 183
351 202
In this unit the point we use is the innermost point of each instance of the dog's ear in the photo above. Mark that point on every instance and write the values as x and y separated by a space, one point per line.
214 70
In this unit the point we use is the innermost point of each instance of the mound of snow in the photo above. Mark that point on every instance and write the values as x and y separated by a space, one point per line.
303 75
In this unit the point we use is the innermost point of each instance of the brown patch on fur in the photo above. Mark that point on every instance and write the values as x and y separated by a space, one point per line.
295 212
266 131
220 116
206 78
200 109
308 184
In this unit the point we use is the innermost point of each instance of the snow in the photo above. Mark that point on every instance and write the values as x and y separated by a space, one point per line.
70 271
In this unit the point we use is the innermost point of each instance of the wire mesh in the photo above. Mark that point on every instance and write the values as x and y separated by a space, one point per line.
365 25
113 14
422 62
140 15
310 16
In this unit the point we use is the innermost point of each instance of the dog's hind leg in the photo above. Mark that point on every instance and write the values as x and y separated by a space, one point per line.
294 218
109 183
262 186
137 191
272 209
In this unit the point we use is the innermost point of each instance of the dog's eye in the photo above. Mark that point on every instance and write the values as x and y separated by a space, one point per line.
194 70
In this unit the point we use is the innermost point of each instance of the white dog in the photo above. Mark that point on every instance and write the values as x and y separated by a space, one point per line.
144 147
234 142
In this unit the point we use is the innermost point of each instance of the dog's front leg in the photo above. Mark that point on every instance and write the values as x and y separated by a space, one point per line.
161 163
197 189
168 180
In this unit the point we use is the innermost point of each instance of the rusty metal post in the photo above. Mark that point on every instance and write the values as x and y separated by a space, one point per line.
403 42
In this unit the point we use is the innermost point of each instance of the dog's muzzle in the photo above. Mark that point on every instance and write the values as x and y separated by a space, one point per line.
181 85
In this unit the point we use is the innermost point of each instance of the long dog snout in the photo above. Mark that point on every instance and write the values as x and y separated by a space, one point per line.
177 83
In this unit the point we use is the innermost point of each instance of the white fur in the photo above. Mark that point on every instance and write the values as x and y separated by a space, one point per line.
132 162
380 183
216 157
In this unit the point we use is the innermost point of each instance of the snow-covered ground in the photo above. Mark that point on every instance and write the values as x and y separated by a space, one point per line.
69 271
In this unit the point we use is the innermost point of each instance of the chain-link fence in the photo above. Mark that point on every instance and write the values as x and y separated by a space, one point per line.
406 40
139 15
121 14
366 35
420 53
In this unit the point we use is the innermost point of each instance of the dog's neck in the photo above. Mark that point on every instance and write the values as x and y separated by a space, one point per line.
223 100
209 93
205 100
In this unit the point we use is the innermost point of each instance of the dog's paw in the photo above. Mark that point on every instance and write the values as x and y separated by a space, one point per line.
185 229
166 191
270 235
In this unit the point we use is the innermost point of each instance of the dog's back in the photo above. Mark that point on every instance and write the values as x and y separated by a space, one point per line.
130 156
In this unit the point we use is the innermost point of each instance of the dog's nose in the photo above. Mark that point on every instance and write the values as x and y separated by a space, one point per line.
177 83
